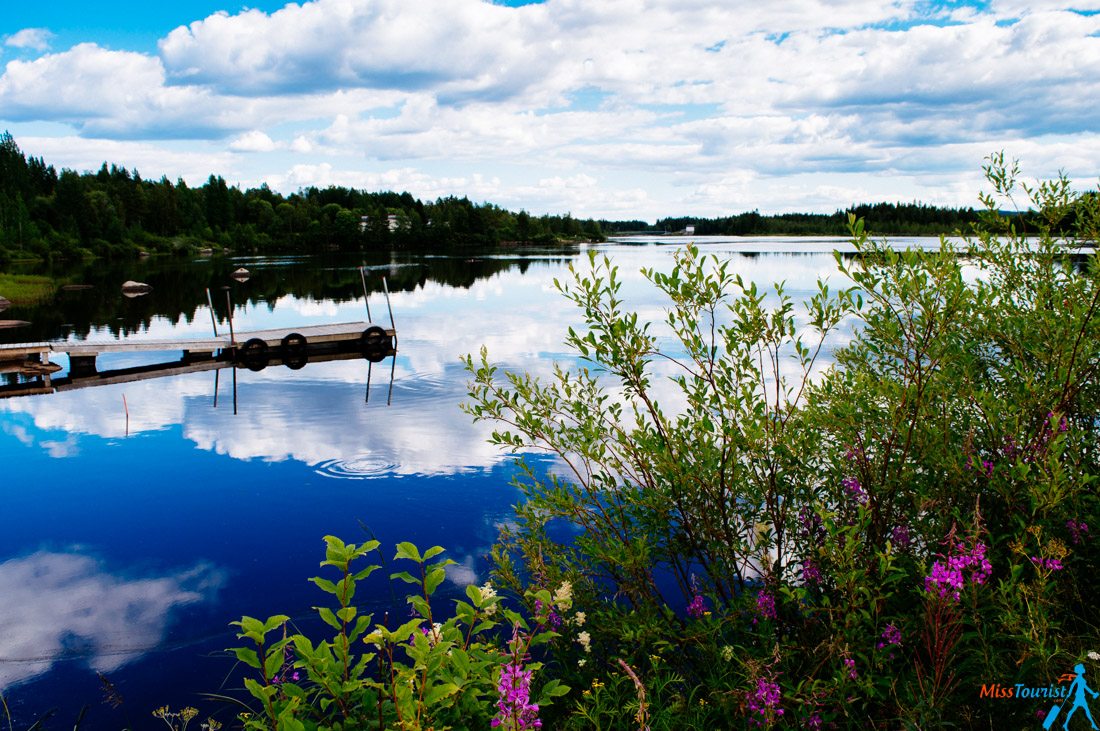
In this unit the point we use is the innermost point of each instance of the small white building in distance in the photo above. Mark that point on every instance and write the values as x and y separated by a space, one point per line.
689 230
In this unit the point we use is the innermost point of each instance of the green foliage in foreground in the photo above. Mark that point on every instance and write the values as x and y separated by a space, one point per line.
741 535
773 541
420 674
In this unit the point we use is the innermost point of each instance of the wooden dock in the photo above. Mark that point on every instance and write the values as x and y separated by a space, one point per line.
254 350
248 346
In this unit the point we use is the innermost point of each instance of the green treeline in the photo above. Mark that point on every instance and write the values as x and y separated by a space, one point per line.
911 219
116 213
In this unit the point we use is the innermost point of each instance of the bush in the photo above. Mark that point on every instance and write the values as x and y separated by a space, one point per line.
470 670
861 544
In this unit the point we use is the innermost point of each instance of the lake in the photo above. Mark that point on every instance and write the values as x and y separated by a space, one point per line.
139 519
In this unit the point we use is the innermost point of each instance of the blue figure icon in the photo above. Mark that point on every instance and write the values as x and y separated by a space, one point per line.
1077 690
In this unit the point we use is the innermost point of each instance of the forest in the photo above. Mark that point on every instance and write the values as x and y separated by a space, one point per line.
115 213
112 213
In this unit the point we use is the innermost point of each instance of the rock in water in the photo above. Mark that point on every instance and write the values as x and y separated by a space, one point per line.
135 289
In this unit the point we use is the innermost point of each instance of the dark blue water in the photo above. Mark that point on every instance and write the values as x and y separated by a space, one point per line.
137 520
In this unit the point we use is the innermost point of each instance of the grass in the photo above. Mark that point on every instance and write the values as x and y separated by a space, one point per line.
26 288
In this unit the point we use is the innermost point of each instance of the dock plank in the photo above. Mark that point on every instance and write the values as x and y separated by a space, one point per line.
273 336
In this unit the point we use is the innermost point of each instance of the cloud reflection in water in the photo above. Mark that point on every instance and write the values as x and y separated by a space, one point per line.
56 606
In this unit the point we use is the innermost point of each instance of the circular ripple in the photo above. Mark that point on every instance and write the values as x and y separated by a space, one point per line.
363 467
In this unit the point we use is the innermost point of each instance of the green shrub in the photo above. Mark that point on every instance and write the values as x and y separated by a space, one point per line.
864 544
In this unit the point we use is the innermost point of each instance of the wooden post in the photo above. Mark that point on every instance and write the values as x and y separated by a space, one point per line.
213 320
366 297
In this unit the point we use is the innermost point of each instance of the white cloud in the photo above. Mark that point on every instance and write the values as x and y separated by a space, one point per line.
36 39
659 101
254 141
48 599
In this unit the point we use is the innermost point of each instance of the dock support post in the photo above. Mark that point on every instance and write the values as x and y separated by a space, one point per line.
82 365
386 289
213 320
366 296
229 303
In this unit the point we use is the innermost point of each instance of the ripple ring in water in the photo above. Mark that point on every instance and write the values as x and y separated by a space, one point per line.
363 467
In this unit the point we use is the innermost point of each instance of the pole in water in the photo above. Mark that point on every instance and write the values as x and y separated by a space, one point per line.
366 297
229 303
386 289
367 399
393 365
213 320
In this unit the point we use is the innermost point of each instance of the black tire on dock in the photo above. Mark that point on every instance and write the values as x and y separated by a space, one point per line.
295 361
294 343
254 354
373 339
254 348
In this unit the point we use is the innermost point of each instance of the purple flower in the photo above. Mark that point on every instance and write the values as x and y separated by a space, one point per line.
948 575
851 665
697 607
1050 564
765 604
814 721
890 636
764 701
810 571
1077 530
855 490
515 710
899 536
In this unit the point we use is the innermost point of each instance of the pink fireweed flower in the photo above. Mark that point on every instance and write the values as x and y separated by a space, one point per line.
949 574
855 490
515 711
765 604
1050 564
698 606
850 664
1077 530
764 702
810 571
890 636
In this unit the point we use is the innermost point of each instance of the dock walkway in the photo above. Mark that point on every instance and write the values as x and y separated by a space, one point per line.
82 353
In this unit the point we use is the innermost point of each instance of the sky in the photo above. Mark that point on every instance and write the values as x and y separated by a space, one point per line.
617 109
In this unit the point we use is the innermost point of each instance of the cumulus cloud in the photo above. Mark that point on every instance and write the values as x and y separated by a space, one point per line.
254 141
657 100
53 602
35 39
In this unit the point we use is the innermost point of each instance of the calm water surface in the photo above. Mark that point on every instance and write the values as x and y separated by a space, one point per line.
138 519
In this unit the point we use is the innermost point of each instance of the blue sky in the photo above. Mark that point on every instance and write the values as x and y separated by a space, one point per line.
617 109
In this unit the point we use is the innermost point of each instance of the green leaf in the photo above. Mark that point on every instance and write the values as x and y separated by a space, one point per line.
433 579
324 584
272 663
329 618
432 552
408 551
438 692
405 576
247 656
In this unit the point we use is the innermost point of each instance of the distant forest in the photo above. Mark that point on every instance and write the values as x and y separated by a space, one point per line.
115 213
